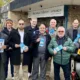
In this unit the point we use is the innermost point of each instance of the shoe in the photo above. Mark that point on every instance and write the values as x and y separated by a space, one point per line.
7 78
12 78
29 75
48 77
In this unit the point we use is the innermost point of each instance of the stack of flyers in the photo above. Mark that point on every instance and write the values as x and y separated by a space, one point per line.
1 44
23 47
51 31
60 47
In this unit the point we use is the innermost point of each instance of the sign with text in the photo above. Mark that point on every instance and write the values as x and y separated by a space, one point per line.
50 12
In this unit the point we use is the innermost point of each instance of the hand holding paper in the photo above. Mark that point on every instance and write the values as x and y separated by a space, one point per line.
26 49
17 45
38 40
60 47
4 47
64 48
55 52
23 47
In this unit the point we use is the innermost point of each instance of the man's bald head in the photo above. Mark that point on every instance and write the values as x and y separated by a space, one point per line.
53 23
75 23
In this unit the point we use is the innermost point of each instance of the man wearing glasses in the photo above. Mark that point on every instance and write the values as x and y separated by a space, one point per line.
19 41
61 47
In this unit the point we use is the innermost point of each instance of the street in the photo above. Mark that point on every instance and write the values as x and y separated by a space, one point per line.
52 75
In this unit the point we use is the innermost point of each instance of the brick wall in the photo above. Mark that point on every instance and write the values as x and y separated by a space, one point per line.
15 16
74 13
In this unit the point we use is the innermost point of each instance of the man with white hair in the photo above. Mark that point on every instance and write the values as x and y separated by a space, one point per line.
61 48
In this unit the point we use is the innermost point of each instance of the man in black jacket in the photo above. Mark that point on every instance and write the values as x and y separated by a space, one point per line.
3 46
74 30
19 41
7 30
32 30
72 33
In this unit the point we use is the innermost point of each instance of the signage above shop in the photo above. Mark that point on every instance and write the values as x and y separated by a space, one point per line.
50 12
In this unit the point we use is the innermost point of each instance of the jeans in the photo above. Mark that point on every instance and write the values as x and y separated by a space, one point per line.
66 71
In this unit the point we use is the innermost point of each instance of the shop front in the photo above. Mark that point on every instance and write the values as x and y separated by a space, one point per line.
45 15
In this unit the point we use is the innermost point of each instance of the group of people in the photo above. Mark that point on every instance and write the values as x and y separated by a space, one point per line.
33 47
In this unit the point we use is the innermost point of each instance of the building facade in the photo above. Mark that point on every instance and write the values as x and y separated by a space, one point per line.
64 11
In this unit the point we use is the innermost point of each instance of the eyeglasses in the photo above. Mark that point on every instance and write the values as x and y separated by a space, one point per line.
21 23
61 31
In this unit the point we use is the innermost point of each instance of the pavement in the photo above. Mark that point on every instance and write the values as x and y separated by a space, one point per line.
51 74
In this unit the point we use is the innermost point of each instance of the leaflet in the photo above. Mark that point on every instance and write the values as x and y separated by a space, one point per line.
51 31
23 47
76 40
1 44
42 41
60 47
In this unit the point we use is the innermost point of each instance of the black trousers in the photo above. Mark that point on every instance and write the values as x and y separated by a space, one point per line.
65 70
2 70
30 63
8 55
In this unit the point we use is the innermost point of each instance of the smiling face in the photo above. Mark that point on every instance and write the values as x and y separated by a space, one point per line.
33 22
53 23
75 23
42 28
9 24
21 24
61 31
